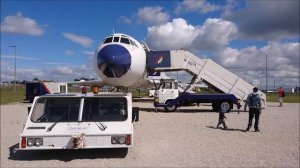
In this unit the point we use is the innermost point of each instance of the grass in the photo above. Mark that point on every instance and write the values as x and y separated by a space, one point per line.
289 98
9 95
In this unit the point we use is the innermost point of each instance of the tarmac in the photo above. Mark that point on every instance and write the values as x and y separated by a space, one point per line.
185 138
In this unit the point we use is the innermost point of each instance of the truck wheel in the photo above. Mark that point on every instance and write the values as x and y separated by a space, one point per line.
226 106
172 108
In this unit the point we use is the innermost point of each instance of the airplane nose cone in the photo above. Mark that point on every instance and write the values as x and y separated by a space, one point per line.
113 61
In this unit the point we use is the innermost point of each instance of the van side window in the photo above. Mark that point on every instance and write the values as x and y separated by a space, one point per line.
167 85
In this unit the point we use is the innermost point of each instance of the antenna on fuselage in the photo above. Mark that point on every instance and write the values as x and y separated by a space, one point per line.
113 31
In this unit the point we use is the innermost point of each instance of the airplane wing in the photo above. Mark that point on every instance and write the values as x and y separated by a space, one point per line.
88 83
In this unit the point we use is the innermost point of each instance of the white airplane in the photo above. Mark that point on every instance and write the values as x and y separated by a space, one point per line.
120 60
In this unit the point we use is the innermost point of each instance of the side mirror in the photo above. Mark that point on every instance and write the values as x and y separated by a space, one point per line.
135 114
28 109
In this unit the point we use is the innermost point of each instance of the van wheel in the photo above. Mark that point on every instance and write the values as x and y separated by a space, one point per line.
172 108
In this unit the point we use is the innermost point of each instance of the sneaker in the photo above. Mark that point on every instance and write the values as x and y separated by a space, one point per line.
247 129
257 130
225 127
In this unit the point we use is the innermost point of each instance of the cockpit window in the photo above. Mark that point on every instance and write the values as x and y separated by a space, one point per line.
116 39
125 40
108 40
133 43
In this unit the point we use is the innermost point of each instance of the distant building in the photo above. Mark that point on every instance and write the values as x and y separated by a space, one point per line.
296 89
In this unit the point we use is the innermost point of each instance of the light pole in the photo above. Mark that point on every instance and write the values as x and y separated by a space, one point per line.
267 71
15 66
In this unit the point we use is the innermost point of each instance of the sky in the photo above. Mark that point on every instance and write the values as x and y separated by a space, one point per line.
56 40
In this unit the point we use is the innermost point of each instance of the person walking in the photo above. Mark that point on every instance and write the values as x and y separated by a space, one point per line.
281 95
222 118
254 103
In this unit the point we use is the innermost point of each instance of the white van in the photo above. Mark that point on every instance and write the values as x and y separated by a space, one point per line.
77 121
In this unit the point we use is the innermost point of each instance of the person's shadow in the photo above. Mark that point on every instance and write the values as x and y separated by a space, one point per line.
227 129
65 154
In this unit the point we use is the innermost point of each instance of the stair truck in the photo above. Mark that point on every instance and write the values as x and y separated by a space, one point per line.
167 96
233 89
80 121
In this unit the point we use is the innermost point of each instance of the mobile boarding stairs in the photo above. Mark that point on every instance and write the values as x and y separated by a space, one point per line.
205 70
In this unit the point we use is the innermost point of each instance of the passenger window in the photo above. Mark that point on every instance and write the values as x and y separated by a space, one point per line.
116 39
176 85
125 40
108 40
167 85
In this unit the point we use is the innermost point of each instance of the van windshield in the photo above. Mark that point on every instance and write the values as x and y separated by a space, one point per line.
104 109
62 109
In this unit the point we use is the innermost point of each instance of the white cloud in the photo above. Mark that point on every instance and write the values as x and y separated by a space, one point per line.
82 40
250 62
62 71
149 15
69 52
152 15
19 57
125 19
212 35
21 25
172 35
89 53
200 6
56 63
215 34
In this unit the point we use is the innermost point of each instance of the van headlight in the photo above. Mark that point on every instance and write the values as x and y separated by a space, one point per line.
30 142
38 142
34 141
122 140
118 139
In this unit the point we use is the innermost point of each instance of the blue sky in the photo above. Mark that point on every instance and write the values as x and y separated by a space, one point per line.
56 39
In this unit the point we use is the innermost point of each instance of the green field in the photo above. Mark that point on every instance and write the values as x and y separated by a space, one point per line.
9 95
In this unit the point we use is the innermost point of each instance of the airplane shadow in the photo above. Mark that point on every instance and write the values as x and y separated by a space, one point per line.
65 155
228 129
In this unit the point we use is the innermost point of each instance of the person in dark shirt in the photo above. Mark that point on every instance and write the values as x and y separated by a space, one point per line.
254 103
222 118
